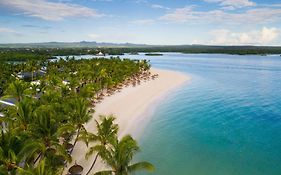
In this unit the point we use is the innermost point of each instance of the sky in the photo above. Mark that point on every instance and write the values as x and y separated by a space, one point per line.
165 22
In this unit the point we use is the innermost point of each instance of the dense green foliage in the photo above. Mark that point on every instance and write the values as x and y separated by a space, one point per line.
240 50
38 54
25 54
50 114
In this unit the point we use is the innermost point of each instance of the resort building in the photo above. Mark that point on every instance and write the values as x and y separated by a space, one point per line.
28 75
100 54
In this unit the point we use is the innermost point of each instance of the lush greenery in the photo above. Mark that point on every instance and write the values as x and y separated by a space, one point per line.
51 112
116 153
42 53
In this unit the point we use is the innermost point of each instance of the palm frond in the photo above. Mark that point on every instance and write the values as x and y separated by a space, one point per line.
108 172
141 166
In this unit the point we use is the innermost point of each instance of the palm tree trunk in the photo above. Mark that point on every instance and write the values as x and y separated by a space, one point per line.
92 166
38 157
76 139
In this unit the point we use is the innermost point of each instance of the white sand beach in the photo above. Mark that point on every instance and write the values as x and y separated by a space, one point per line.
133 108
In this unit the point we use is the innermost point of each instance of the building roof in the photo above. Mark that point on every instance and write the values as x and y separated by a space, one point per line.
9 102
25 75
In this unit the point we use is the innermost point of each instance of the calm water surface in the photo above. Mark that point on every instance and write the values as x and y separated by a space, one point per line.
226 121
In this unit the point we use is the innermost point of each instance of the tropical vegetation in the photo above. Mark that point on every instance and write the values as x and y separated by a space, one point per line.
39 133
25 52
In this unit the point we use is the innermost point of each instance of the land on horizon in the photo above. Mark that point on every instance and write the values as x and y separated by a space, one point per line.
25 51
60 44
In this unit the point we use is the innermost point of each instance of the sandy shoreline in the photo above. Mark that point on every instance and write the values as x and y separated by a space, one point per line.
132 108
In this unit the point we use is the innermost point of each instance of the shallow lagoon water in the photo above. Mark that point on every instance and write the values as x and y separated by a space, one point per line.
226 121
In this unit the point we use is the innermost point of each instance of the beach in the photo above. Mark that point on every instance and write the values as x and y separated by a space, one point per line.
132 107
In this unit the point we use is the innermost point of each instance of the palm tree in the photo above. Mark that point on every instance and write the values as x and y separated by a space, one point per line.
17 89
86 91
106 132
10 145
22 114
42 118
119 156
80 114
32 66
41 169
44 137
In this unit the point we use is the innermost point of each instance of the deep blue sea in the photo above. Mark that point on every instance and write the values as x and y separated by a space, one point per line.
225 121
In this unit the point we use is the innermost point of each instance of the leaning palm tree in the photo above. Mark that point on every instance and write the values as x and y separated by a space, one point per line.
119 156
106 133
80 114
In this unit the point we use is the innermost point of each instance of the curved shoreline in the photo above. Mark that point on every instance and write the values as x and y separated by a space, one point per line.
133 108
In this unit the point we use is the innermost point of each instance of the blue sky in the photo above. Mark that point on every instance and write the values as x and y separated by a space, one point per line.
214 22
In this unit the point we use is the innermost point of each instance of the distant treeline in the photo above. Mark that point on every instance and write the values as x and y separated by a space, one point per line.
237 50
24 54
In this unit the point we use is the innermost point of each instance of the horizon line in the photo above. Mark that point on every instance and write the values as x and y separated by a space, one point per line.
163 45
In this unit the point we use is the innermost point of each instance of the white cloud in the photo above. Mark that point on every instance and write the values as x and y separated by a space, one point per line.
252 16
140 1
268 35
143 22
51 11
228 8
93 36
158 6
180 15
233 3
265 36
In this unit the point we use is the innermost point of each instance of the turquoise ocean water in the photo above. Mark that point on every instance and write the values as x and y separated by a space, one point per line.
226 121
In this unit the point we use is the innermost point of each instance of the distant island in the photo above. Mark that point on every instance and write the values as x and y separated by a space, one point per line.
24 51
153 54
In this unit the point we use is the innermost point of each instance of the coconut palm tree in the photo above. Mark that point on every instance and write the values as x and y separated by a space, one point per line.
42 118
41 169
10 145
79 115
106 132
44 137
119 156
32 66
22 114
86 91
17 89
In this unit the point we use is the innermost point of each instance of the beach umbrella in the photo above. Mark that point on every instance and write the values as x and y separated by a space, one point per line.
76 169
